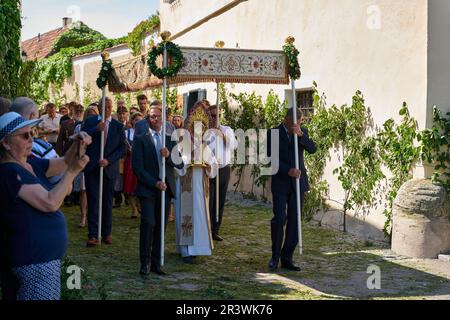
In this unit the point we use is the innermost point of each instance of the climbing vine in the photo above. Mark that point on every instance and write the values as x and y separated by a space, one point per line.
136 37
348 130
396 144
319 128
435 147
360 169
10 54
38 77
78 35
247 112
54 70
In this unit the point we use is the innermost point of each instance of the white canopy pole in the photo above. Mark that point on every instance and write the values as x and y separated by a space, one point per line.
102 154
217 155
163 174
297 166
219 45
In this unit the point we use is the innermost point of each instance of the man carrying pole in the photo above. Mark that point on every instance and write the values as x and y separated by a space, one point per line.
223 144
289 185
107 148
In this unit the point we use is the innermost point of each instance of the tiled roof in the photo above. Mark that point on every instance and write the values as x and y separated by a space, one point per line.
41 46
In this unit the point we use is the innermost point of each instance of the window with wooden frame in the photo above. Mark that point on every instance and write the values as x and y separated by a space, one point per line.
305 103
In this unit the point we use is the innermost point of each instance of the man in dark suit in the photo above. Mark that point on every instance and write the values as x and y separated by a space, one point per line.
143 127
284 190
115 148
147 165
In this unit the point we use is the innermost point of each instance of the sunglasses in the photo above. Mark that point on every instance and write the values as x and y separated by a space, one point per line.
24 136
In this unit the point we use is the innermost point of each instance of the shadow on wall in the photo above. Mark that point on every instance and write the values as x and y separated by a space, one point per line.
356 226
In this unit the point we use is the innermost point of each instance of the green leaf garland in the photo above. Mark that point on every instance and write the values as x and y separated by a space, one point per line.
105 71
172 50
292 54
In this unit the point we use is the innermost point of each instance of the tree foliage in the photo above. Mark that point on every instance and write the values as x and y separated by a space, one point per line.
396 144
10 54
40 77
78 35
144 28
435 147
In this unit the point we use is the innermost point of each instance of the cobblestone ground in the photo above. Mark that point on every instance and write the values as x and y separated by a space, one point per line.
334 265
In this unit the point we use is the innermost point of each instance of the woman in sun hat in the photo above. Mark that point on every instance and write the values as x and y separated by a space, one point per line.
33 230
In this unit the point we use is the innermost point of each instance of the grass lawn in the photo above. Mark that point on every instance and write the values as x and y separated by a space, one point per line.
334 265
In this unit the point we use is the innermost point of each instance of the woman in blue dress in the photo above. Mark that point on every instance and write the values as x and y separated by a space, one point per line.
33 230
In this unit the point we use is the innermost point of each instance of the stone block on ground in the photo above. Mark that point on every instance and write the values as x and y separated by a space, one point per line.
421 225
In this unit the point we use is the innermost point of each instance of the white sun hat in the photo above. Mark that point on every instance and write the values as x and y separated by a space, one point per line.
12 121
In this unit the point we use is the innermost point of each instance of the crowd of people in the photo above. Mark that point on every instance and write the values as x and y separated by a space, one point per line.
55 158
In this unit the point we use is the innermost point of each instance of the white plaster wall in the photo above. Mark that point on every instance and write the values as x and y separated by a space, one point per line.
376 46
438 57
182 13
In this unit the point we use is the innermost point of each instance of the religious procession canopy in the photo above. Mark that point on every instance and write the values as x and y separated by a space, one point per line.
202 65
187 65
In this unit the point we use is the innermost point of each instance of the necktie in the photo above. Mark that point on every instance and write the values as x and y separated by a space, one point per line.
158 149
106 131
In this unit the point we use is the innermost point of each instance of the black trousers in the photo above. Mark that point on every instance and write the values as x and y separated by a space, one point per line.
92 181
285 214
150 230
224 180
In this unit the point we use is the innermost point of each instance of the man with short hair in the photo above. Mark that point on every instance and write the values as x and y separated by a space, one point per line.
65 111
143 126
114 148
25 107
284 189
222 144
122 117
147 156
49 127
143 104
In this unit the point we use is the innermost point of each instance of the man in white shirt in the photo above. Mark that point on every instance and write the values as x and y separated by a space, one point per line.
49 127
224 154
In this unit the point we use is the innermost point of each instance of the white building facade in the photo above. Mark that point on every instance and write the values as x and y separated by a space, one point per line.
391 50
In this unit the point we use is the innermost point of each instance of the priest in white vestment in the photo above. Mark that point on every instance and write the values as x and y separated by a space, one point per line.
192 218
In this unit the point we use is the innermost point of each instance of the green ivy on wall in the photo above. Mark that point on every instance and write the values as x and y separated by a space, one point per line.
137 36
54 70
396 144
40 78
435 147
78 35
10 54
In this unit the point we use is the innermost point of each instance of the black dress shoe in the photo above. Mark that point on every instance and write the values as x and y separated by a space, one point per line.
216 237
273 265
290 266
158 271
144 271
188 260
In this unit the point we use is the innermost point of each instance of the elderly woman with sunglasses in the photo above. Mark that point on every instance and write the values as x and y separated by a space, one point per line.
33 231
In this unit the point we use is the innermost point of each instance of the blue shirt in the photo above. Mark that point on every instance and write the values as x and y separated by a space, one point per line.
29 236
